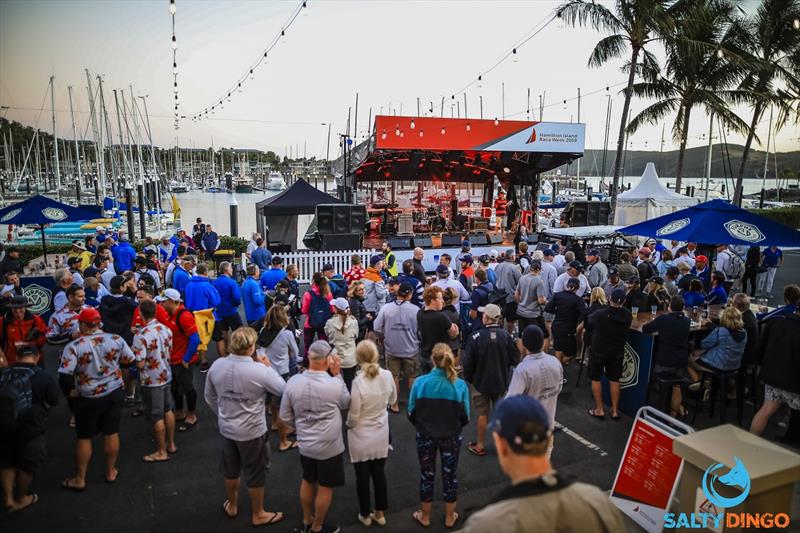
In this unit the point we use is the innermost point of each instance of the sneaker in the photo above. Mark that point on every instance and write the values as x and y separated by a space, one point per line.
204 367
366 520
380 521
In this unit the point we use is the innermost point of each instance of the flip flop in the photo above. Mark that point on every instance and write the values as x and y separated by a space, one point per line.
473 447
116 477
225 506
395 411
276 517
34 499
173 452
151 459
417 516
615 416
69 486
455 521
186 426
136 413
592 413
291 446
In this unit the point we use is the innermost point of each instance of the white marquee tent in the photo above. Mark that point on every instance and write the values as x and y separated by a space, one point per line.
649 199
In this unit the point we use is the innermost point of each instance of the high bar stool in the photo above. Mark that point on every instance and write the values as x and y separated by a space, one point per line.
718 379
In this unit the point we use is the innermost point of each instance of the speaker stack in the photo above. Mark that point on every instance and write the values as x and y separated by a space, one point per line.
339 227
451 239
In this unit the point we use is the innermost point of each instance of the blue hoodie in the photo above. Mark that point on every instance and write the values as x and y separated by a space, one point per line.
179 280
123 254
254 305
201 294
229 296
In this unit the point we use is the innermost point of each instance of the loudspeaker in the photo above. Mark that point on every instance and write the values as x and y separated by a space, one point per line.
331 242
589 213
494 238
451 239
399 243
405 224
423 241
341 218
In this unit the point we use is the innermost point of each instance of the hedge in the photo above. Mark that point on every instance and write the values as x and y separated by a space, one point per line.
786 215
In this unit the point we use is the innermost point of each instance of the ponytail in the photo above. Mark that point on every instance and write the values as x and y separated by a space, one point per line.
442 357
343 315
367 357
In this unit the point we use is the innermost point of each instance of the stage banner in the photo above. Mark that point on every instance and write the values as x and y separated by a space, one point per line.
460 134
637 359
649 472
39 291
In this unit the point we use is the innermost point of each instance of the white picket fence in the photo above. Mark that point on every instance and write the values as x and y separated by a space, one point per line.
309 262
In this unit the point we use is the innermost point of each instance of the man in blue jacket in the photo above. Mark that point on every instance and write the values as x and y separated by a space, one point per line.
167 251
228 318
201 294
271 277
261 256
253 297
181 275
124 254
210 242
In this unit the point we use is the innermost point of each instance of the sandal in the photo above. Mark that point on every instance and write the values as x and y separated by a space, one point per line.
116 476
225 506
455 521
34 499
67 484
274 519
417 515
292 445
593 413
151 458
473 447
615 417
395 410
186 426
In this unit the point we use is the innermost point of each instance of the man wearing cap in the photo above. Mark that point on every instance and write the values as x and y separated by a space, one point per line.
336 282
531 299
79 251
567 309
419 270
397 324
466 246
167 250
702 272
74 267
489 355
145 275
573 272
500 206
672 356
596 272
94 359
375 291
389 260
608 328
484 263
19 327
181 272
408 276
209 242
539 499
481 295
612 282
183 357
230 298
444 282
508 275
124 254
270 277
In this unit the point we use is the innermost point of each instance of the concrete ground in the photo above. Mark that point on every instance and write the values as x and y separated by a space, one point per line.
186 493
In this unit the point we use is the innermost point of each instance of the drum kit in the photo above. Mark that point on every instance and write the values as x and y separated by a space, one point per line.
430 219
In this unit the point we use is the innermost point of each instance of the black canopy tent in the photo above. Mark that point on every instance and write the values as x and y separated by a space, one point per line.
278 217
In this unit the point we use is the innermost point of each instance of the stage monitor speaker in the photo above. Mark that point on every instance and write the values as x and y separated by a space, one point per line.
399 243
423 241
333 242
451 239
494 238
341 218
589 213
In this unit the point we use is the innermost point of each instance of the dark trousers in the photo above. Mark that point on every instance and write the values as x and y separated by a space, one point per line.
308 340
349 374
751 275
366 470
183 385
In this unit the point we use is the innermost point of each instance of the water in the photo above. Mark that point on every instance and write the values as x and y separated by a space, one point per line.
214 208
751 186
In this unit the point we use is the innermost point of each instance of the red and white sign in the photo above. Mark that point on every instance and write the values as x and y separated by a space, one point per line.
464 134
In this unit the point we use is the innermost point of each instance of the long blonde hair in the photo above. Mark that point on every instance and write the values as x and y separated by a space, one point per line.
598 295
367 356
442 357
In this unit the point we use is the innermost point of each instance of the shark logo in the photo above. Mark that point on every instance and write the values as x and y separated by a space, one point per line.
738 476
532 138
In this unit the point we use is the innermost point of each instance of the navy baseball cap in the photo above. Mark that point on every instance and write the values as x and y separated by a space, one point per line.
467 258
548 252
405 289
521 421
375 259
612 271
618 296
577 265
533 338
442 269
594 251
466 244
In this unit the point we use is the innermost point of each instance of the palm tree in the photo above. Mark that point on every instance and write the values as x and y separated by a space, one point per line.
774 47
701 64
632 26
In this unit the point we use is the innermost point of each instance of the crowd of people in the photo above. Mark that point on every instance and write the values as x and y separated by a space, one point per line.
484 337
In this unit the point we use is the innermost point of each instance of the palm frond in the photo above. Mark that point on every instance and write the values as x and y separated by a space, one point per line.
652 114
611 47
597 16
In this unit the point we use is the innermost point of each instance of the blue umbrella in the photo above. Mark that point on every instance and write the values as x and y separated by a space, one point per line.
716 222
42 211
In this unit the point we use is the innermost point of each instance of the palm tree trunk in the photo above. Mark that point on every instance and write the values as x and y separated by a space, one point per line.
623 123
682 152
737 192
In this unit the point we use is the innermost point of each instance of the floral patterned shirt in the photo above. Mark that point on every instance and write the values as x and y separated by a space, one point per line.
63 323
94 360
153 345
355 273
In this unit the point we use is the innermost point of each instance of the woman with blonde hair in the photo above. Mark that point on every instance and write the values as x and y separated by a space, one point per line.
438 406
342 330
356 294
724 346
368 431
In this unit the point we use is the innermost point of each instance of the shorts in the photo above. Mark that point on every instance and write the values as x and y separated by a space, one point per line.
482 403
612 368
510 311
524 322
157 401
249 458
224 324
328 472
402 366
564 341
774 394
23 452
182 380
99 415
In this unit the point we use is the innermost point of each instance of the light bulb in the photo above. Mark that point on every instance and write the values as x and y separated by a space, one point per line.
496 122
412 124
174 43
251 74
175 90
442 131
397 131
383 135
469 128
172 7
796 24
174 68
421 133
402 134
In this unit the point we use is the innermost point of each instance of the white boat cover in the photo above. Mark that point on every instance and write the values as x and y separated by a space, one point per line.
649 199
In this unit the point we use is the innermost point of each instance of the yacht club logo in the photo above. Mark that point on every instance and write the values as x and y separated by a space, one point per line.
54 213
39 297
630 367
744 231
11 214
672 227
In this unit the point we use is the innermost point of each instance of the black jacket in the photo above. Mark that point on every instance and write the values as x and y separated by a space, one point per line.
359 312
779 348
117 315
609 328
673 339
32 422
568 308
488 358
419 272
8 264
751 327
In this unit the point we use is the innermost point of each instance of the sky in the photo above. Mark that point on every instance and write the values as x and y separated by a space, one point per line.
390 53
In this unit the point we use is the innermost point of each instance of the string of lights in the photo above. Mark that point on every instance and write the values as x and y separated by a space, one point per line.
250 73
174 44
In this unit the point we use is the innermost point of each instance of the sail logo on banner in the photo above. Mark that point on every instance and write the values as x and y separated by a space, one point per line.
672 227
744 231
711 512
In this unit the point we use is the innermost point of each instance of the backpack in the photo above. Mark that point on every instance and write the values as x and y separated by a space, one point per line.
319 310
735 267
16 395
338 288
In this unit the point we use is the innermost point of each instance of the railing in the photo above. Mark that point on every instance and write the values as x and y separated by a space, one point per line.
309 262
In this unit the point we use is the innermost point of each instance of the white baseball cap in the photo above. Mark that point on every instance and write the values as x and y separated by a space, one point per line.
170 294
494 253
341 304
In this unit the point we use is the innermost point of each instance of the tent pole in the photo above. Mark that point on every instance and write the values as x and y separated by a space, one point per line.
44 245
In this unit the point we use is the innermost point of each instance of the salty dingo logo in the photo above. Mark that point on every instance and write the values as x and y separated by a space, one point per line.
672 227
532 138
744 230
738 476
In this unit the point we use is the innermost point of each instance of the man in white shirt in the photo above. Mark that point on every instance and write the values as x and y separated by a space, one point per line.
444 281
558 260
573 271
683 257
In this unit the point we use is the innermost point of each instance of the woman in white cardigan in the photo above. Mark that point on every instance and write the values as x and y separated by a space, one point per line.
342 331
368 431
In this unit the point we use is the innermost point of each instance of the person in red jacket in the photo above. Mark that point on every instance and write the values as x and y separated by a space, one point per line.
143 293
19 326
500 206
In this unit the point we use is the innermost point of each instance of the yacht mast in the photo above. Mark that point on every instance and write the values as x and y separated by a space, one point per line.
77 148
55 135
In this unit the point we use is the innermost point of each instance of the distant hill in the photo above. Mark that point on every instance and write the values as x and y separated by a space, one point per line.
694 165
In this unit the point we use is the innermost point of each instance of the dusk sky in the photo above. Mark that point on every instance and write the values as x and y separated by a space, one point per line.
390 52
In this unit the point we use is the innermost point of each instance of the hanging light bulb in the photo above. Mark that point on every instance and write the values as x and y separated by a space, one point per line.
397 131
442 131
796 24
174 43
172 7
174 67
175 89
412 124
469 128
240 86
402 134
251 74
421 133
383 135
496 122
514 53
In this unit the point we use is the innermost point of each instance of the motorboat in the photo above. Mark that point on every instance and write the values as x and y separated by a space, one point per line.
275 181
